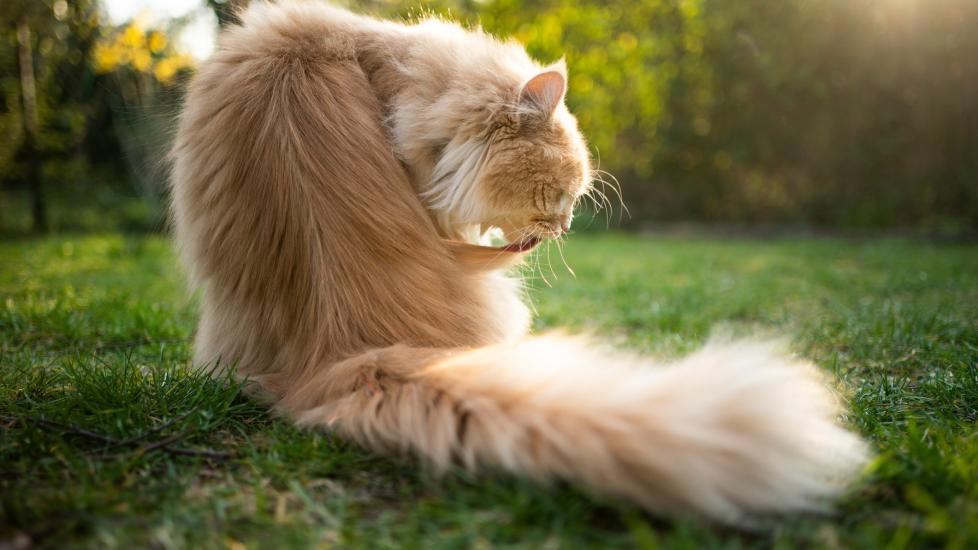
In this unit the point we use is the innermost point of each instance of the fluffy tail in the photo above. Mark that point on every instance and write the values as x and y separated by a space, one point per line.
733 432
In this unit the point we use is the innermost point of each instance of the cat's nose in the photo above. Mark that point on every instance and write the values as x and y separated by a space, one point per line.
559 228
556 226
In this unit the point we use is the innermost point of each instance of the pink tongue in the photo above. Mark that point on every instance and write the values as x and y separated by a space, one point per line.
522 246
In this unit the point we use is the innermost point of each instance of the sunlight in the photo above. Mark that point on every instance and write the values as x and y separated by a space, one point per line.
197 37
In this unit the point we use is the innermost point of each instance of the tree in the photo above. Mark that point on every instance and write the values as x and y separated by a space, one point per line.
51 39
28 94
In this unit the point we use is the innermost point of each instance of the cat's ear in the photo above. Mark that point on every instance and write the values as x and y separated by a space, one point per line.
545 91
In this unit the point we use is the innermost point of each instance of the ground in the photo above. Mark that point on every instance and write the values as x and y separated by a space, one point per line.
109 437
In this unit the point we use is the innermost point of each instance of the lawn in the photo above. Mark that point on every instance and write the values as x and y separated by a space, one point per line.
109 437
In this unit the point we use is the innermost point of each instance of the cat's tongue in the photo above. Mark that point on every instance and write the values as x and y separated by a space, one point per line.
522 246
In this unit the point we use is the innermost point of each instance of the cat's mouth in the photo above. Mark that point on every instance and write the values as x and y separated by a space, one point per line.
482 258
525 245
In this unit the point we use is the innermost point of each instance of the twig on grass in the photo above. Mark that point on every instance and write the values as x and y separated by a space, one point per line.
205 453
75 430
164 445
149 432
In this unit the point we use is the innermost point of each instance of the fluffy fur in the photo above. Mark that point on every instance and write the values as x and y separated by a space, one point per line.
333 177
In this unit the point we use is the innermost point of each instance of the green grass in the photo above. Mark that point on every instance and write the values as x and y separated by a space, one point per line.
94 335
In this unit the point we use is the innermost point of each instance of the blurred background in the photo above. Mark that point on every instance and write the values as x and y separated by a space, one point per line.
822 115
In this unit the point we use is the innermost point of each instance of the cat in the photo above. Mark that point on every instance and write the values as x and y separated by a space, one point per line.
334 180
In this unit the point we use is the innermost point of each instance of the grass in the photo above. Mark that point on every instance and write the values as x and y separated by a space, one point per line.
109 437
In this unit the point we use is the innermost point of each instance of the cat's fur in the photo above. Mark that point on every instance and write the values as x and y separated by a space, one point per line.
332 177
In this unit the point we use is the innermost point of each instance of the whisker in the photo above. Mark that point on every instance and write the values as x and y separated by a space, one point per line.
597 206
615 186
549 263
560 250
543 276
538 264
604 201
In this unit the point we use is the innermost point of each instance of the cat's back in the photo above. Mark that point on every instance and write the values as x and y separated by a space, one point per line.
423 60
296 25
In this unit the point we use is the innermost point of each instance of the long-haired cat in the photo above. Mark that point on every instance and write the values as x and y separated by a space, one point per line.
333 178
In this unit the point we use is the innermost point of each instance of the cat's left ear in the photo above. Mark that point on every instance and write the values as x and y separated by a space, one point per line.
545 91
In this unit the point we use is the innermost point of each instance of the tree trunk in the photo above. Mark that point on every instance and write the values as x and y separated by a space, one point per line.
28 94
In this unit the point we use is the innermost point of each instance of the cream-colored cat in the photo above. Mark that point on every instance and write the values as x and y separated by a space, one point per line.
333 177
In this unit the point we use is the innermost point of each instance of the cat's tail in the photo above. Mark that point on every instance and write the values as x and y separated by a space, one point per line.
733 432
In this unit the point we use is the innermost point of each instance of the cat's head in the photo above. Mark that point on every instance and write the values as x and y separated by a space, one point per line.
531 168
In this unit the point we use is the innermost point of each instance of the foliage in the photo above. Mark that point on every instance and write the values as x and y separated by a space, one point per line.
135 48
106 99
95 335
832 113
63 34
851 113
